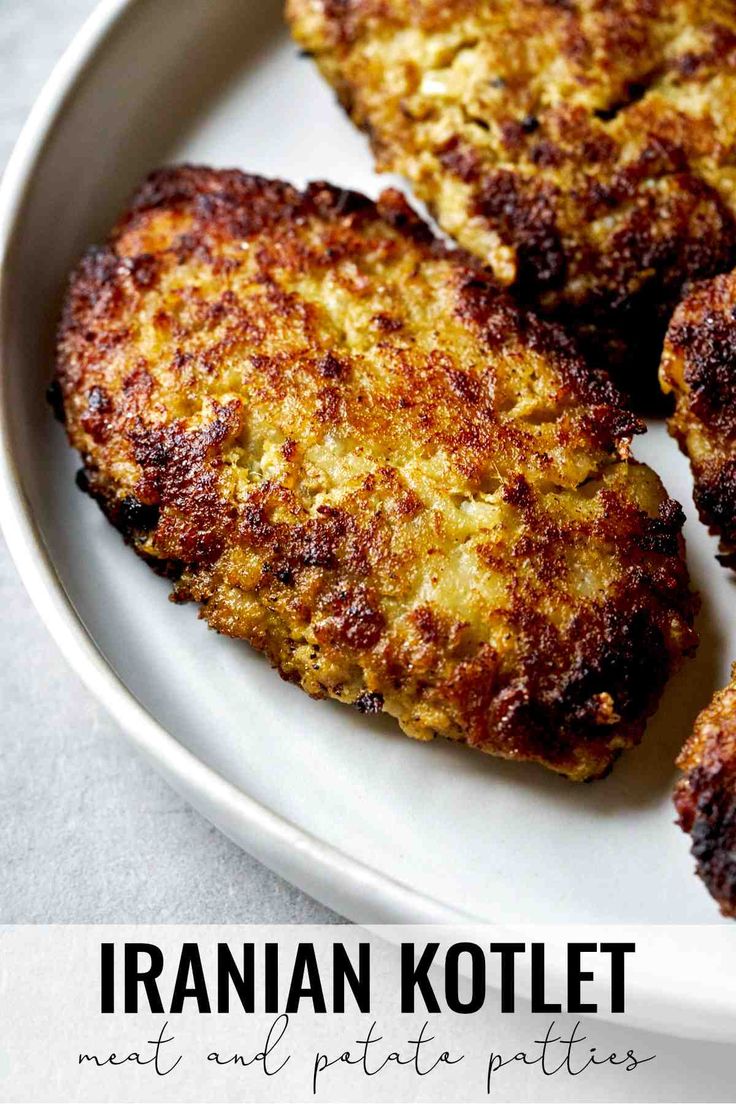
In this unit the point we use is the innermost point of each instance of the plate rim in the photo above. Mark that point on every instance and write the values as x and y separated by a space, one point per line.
320 869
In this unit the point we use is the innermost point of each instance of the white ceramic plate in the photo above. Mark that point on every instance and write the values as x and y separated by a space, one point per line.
377 826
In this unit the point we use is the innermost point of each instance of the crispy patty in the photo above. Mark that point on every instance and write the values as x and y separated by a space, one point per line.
705 797
358 454
585 148
699 365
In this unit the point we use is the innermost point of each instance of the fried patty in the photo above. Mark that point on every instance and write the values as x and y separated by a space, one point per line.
355 452
699 365
584 148
705 797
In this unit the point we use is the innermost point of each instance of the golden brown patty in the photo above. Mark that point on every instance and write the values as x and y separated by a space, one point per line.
585 148
357 454
705 797
699 365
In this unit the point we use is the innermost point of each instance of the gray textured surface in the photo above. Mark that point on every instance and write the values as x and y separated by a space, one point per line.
88 832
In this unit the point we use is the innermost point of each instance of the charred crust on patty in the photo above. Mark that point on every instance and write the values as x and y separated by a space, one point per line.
438 515
705 797
699 366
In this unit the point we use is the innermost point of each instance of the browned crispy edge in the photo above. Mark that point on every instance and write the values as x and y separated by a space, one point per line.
238 204
705 797
700 365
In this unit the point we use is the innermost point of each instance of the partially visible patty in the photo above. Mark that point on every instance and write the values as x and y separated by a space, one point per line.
705 797
358 454
699 365
585 149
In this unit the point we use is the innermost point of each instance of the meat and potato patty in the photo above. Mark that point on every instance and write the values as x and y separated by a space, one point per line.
705 797
585 148
359 455
699 365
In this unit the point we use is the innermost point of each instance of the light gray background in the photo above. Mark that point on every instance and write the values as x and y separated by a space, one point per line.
88 832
